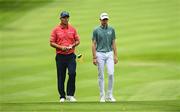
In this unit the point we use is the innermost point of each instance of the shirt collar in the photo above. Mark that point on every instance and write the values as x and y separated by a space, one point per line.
104 27
63 27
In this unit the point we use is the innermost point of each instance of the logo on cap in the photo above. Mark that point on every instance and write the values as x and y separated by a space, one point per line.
104 16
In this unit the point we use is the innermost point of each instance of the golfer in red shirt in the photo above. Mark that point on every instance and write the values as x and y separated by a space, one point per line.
64 39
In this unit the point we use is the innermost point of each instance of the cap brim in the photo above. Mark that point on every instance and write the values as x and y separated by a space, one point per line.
104 18
64 16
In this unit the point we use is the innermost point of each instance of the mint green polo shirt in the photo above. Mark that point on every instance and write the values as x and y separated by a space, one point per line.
104 37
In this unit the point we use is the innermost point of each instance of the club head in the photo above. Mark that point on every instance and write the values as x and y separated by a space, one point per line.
79 55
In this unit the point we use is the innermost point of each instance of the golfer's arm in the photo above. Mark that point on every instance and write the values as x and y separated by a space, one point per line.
77 42
114 48
52 44
94 49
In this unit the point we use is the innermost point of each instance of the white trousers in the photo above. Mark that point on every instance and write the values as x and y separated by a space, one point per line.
108 60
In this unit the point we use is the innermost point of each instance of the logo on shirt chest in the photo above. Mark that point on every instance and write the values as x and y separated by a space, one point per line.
70 32
109 32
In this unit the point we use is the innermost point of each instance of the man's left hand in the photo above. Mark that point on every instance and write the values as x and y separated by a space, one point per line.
115 60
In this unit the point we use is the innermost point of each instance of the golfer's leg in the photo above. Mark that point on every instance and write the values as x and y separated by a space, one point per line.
72 76
61 75
110 69
101 62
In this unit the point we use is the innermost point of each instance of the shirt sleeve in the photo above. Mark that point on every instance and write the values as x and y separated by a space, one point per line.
113 34
94 35
76 36
53 37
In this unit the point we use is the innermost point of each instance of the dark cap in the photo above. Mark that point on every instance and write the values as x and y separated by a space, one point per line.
64 14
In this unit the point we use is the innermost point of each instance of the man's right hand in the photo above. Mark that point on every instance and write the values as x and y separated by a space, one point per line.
63 48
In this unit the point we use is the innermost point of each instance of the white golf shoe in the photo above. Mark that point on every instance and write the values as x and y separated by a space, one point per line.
62 100
111 99
102 99
71 98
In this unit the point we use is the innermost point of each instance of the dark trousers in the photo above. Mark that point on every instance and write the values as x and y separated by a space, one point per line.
64 62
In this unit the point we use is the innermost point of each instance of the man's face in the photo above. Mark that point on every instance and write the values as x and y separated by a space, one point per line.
104 22
64 20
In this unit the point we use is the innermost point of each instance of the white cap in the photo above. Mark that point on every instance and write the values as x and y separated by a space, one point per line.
104 16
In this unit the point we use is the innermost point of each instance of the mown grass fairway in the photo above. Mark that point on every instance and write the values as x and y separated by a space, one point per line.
147 77
123 106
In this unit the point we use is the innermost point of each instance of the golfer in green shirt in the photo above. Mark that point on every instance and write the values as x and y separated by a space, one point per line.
104 53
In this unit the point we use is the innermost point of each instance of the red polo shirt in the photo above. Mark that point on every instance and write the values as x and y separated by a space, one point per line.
64 36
